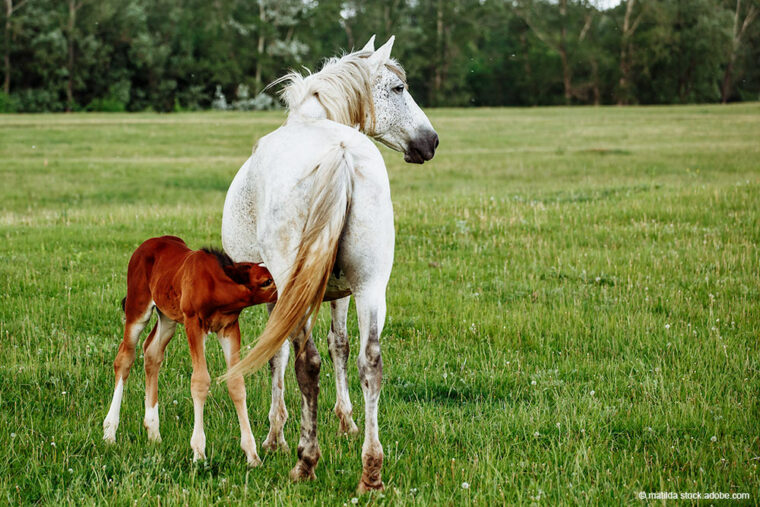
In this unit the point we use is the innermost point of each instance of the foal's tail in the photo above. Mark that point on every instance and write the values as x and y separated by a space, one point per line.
302 296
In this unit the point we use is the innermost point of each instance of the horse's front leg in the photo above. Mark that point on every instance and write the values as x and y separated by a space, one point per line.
337 342
229 338
199 384
278 414
307 366
370 307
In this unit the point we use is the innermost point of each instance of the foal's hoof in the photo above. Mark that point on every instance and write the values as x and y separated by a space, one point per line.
365 487
109 433
254 461
302 472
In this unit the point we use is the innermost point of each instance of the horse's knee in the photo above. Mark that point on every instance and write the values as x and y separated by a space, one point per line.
200 383
236 388
370 363
308 366
152 362
123 362
338 344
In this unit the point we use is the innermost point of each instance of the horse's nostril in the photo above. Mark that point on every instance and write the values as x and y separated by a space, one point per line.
436 141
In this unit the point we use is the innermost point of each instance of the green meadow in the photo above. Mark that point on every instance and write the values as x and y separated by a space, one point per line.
573 314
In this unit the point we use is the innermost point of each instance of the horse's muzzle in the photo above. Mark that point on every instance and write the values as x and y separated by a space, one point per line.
422 148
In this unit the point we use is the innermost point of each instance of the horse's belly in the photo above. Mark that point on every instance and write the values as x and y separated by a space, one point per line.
337 287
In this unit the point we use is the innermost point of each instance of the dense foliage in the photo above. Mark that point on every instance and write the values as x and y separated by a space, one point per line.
115 55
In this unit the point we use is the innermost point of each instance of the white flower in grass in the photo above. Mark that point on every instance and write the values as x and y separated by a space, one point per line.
52 444
667 326
714 439
13 435
592 392
71 470
536 434
174 402
63 393
465 485
354 500
532 382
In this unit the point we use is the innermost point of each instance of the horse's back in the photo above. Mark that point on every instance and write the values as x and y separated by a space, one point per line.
273 182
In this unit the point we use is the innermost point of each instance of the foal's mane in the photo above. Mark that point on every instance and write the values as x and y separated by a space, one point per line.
225 261
343 86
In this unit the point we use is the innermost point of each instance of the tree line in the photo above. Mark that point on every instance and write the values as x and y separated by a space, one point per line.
165 55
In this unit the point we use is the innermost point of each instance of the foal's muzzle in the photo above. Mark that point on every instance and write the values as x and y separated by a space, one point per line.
422 148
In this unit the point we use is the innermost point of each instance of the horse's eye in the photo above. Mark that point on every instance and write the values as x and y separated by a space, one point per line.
267 283
399 89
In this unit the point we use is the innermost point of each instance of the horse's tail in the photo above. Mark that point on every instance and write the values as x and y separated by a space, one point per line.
302 296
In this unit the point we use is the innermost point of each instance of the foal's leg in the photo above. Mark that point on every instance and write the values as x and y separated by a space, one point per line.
137 317
229 338
278 414
199 385
337 342
307 365
153 351
370 307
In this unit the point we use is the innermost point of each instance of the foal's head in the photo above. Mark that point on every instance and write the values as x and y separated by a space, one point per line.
254 276
257 278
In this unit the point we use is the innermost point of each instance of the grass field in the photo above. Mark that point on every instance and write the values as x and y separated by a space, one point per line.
574 311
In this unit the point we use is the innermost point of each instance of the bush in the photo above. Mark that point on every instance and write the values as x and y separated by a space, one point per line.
38 100
8 103
107 105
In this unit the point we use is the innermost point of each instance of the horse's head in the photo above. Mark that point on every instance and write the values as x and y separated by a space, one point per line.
399 123
366 89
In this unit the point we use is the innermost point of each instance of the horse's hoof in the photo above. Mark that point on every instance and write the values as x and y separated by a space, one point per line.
302 472
349 429
254 461
365 487
274 446
109 439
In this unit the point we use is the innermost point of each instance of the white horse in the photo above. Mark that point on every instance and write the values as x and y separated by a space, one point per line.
313 203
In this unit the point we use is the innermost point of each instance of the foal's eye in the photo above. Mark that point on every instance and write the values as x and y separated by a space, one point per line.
267 283
399 89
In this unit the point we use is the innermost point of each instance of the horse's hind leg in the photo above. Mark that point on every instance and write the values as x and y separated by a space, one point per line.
278 414
307 365
370 307
229 338
337 342
153 350
137 314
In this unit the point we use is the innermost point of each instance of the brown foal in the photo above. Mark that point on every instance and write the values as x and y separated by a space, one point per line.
204 290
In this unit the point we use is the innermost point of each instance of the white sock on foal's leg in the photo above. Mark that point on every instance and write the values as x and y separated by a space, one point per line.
111 422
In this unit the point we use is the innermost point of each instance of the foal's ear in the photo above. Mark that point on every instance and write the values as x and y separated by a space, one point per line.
238 273
382 55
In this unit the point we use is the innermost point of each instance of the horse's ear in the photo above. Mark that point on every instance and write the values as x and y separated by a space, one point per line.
382 55
370 45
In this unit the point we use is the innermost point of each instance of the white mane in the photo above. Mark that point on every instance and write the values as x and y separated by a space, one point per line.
343 87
